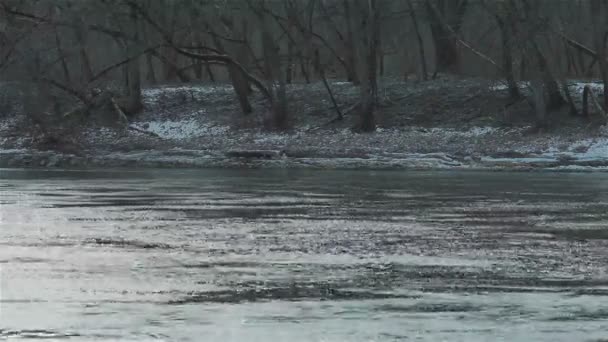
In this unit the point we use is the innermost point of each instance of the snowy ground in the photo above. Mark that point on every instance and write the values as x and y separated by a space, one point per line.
575 87
195 126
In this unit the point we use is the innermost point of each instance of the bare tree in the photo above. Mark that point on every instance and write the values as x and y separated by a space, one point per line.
419 40
598 13
134 101
501 13
234 35
273 72
364 19
450 12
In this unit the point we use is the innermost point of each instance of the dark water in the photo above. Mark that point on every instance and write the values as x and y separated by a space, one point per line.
303 256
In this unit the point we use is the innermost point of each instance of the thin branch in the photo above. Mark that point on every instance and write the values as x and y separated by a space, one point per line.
106 70
331 96
42 20
454 34
305 31
206 57
66 89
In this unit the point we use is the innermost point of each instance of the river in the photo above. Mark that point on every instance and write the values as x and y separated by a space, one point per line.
303 255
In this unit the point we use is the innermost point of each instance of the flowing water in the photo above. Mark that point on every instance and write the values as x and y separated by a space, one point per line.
286 255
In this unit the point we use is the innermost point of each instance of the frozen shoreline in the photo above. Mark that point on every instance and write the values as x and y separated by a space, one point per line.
190 126
179 158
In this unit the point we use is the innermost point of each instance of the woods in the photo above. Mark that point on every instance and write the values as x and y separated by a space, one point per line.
67 52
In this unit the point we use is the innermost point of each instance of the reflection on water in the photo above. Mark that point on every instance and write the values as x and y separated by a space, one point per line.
253 255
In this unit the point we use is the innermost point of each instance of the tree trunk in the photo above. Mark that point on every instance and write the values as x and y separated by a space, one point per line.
585 111
134 102
365 33
351 50
81 39
198 69
421 53
210 72
599 41
169 70
238 80
150 75
289 66
450 12
303 69
540 106
507 58
241 88
275 77
64 64
198 64
554 97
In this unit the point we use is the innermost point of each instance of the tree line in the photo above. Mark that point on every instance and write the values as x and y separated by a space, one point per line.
79 48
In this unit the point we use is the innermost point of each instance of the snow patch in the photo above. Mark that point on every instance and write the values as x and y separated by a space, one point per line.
8 124
576 87
470 133
586 150
271 138
594 86
8 136
504 86
181 129
597 150
152 96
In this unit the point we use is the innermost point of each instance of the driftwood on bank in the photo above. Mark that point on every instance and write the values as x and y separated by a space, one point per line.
255 154
336 119
143 131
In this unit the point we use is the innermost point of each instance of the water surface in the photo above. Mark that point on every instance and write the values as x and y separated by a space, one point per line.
286 255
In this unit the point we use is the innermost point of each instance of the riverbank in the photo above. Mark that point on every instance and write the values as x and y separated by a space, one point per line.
440 124
179 158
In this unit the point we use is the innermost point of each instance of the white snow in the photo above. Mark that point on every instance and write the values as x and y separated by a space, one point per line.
470 133
7 126
595 86
153 96
597 150
504 86
585 150
270 138
181 129
576 87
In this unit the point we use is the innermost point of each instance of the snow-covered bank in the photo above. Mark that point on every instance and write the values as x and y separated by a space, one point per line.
412 148
595 158
576 87
200 126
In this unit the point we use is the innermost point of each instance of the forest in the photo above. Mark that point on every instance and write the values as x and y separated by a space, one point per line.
62 59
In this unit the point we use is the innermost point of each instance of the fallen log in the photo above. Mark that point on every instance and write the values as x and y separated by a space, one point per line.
143 131
256 154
